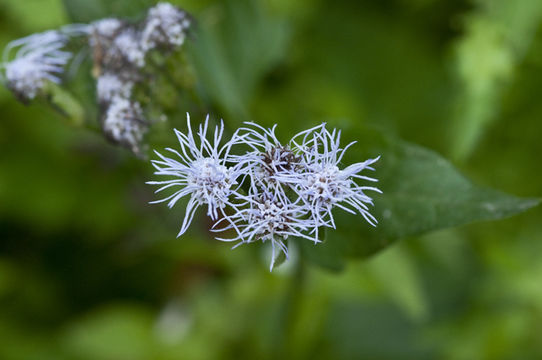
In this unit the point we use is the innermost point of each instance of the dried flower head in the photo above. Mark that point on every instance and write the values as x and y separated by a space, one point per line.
120 50
110 86
124 123
104 29
120 53
127 43
165 26
101 36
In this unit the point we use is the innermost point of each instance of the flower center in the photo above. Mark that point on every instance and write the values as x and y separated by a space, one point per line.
325 185
271 213
211 180
280 159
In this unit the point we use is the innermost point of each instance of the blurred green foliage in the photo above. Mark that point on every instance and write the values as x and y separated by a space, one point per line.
88 270
497 36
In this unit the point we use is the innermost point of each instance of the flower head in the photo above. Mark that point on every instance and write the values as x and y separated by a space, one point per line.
123 123
101 37
116 47
38 58
166 25
272 161
106 28
200 170
268 215
110 86
324 185
127 43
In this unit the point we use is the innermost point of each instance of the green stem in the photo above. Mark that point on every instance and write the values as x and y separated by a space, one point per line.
292 302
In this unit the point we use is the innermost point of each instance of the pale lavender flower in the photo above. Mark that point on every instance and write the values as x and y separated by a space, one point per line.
270 160
166 25
324 185
124 123
200 170
267 214
292 189
38 58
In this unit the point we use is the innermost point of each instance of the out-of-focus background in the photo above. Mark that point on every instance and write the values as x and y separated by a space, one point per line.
89 270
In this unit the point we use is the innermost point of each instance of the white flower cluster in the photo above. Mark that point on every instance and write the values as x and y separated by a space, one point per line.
120 51
125 123
123 47
271 192
165 26
110 86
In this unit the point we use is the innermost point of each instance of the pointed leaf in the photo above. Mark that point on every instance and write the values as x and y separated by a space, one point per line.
422 192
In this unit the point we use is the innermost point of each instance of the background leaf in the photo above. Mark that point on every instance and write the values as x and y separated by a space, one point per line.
422 192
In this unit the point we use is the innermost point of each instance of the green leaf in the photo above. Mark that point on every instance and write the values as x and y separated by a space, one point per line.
422 192
330 259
